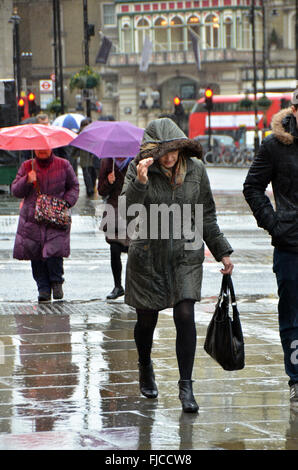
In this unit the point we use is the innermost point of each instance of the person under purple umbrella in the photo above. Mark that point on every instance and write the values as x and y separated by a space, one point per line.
110 182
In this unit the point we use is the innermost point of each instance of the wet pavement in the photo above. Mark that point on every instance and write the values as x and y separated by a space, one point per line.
68 369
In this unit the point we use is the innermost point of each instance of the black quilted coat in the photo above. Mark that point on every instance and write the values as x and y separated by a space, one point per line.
277 162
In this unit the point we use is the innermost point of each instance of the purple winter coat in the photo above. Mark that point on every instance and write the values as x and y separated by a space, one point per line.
57 178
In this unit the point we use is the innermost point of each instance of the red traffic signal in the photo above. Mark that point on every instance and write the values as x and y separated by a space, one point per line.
31 96
33 108
208 93
209 99
177 101
21 102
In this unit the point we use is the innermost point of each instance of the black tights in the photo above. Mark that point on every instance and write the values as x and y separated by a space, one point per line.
115 250
186 336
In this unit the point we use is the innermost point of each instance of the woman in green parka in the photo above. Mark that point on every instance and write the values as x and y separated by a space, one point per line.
165 271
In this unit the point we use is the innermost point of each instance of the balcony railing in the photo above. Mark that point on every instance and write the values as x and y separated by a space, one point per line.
183 57
272 73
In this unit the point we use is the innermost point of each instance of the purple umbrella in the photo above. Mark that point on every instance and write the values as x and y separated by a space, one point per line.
110 139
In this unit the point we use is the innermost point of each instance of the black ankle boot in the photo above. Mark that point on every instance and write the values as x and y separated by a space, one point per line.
147 381
189 404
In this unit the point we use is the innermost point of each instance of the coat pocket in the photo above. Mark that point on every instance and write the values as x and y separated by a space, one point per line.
286 225
140 256
193 256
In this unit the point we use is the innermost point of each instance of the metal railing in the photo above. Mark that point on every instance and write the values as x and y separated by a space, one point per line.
230 157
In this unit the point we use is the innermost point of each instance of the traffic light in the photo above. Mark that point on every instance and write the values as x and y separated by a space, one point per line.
21 108
178 107
209 99
33 109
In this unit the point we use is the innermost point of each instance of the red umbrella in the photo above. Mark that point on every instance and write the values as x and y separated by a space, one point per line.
34 137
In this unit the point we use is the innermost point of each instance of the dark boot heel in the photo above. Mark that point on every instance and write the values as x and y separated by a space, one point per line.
189 404
147 381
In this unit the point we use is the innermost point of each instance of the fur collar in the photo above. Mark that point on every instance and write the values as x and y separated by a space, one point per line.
281 133
188 147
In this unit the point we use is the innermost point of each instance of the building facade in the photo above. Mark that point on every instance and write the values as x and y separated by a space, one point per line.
223 35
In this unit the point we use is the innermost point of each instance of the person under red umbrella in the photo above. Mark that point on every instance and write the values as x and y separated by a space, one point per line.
44 245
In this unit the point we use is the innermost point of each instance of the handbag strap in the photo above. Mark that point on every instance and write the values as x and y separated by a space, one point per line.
231 288
36 185
226 287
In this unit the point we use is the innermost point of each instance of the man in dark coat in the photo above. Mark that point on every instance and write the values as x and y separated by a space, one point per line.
277 162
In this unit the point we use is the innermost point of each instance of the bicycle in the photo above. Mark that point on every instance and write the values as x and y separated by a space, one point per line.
232 157
211 158
248 156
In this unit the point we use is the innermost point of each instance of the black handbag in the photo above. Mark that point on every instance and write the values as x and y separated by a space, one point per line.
224 339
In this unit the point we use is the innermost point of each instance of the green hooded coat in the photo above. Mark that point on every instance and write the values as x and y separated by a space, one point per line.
162 272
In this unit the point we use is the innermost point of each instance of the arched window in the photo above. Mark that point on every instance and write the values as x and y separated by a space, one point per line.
126 38
177 40
228 31
193 24
211 31
142 29
160 33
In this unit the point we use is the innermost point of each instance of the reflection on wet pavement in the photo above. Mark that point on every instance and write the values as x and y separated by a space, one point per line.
70 381
68 369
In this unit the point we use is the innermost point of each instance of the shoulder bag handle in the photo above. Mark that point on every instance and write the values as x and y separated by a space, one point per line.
226 287
36 186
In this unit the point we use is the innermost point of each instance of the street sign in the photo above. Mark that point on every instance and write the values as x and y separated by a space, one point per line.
45 85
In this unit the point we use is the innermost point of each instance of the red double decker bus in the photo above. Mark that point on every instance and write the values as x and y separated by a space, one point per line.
228 115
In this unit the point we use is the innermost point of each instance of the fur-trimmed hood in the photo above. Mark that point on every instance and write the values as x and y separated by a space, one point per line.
284 126
162 136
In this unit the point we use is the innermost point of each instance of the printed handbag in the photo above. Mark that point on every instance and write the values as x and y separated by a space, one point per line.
53 211
224 339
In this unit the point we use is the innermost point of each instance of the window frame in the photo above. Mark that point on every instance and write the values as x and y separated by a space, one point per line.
110 25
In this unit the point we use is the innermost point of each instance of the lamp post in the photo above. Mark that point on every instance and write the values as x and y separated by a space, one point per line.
155 95
58 52
55 48
15 20
143 96
86 50
264 26
252 20
296 41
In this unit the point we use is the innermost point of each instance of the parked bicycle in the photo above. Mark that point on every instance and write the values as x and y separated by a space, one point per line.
230 157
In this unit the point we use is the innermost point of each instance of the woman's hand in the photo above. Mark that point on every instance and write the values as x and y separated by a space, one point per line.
111 177
32 177
228 265
142 169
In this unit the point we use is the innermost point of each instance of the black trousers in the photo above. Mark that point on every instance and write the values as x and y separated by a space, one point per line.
116 265
89 175
47 271
285 266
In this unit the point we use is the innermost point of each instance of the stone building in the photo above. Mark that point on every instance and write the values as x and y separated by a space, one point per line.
222 29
